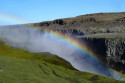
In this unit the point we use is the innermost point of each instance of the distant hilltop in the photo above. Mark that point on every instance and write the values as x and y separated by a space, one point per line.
86 24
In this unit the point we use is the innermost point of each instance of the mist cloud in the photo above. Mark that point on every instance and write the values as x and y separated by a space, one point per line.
35 41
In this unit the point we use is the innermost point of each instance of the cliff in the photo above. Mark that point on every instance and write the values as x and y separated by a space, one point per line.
110 51
116 54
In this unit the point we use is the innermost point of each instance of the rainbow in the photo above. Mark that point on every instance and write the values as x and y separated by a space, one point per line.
77 44
82 46
65 39
12 19
58 35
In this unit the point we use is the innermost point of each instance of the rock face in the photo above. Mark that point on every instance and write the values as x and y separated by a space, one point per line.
116 54
110 51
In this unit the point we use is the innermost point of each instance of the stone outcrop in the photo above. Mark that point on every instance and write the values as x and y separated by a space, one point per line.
109 51
116 54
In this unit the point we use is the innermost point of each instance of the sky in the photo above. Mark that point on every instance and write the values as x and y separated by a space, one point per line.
32 11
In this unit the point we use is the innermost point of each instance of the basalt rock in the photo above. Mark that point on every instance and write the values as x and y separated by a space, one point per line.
109 51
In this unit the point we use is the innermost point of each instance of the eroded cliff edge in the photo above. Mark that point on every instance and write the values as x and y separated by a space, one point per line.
110 51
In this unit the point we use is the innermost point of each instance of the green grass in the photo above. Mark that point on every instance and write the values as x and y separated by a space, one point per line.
21 66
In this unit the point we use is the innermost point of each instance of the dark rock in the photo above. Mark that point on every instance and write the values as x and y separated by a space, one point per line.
121 19
44 24
59 21
73 22
109 51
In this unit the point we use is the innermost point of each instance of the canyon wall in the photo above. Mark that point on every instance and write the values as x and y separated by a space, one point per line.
110 51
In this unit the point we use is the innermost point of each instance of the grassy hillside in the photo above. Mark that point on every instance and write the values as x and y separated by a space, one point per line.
21 66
